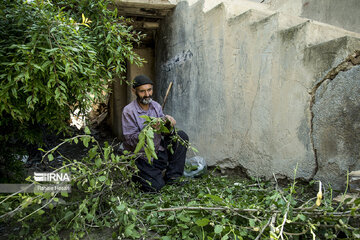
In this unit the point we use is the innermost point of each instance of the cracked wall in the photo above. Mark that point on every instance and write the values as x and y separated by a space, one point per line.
244 83
336 127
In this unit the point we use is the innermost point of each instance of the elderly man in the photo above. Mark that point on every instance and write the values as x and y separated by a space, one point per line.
150 176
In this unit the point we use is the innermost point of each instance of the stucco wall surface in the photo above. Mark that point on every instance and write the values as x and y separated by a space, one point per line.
243 87
340 13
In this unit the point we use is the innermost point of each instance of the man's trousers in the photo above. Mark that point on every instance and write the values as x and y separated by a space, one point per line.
151 177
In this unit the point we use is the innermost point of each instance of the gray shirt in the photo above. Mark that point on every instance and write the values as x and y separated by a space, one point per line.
132 123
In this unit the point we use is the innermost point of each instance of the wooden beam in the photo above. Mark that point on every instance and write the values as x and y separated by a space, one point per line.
145 8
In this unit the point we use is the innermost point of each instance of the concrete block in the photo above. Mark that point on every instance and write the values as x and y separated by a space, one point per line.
336 127
321 58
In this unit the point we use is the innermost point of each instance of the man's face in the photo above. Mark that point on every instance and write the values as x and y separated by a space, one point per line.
144 93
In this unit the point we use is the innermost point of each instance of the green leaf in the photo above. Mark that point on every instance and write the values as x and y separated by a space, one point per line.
68 215
98 162
182 217
218 229
202 222
150 133
302 217
87 130
121 207
215 198
41 212
129 230
89 217
106 153
171 218
64 194
102 178
252 222
150 143
92 182
148 206
86 141
184 226
226 237
147 118
93 152
50 157
141 142
148 155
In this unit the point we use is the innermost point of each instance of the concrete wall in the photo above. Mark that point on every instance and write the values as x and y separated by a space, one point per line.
341 13
244 86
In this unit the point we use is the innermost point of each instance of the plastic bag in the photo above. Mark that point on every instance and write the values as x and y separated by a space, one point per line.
195 167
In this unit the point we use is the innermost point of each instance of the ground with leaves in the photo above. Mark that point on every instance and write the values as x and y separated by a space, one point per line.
210 207
105 204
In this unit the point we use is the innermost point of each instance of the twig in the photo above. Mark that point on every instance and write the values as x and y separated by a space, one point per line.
276 182
250 210
302 206
57 146
284 220
263 229
321 225
11 212
297 234
39 208
15 194
206 208
272 228
93 226
15 210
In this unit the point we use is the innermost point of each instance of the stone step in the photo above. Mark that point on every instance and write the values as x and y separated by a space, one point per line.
313 33
238 7
217 9
247 17
277 21
235 7
324 56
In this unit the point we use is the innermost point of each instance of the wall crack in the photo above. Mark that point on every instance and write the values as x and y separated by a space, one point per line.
351 61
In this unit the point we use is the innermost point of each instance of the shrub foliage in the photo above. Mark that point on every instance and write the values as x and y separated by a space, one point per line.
57 56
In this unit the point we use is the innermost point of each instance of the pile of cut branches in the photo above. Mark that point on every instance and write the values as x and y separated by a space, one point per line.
104 200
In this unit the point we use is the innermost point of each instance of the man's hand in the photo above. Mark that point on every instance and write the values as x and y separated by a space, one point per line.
156 126
171 119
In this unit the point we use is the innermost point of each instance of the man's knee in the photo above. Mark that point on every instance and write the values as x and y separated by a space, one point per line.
154 185
183 135
159 184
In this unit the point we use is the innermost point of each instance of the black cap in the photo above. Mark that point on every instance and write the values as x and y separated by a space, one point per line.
141 80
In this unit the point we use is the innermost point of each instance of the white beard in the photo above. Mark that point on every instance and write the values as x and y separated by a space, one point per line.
146 101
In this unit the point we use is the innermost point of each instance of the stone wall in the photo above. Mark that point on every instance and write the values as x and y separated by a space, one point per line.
245 82
336 126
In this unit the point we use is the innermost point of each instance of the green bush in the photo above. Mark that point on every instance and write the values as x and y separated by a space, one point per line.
55 57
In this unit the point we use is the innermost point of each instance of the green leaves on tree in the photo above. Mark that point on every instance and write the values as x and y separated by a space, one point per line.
56 57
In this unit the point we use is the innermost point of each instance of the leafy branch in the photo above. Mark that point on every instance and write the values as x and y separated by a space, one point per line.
160 126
